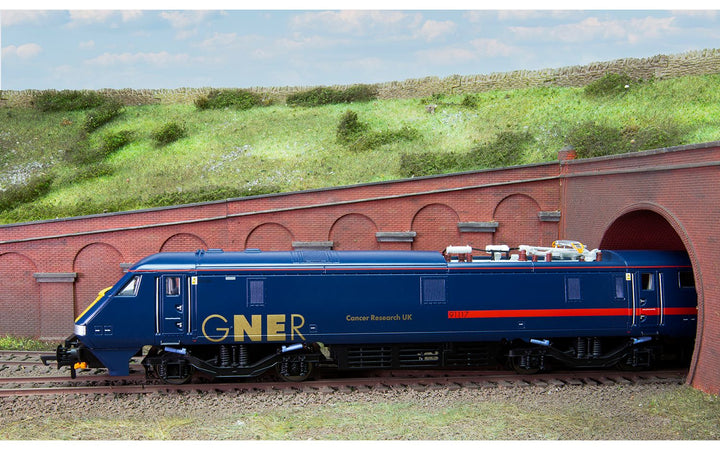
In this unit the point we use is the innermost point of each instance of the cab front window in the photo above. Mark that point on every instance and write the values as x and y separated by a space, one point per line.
131 287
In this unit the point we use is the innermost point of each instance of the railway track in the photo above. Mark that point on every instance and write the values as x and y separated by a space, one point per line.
419 381
98 382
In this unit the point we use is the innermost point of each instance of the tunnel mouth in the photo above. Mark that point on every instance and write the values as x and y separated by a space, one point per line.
642 230
647 229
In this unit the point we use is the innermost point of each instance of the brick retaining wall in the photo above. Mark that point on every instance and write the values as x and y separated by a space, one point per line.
51 270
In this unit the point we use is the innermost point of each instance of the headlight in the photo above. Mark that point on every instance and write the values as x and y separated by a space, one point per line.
80 330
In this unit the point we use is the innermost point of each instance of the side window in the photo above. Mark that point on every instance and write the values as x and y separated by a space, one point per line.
256 292
432 291
572 289
647 281
619 288
172 286
131 287
686 279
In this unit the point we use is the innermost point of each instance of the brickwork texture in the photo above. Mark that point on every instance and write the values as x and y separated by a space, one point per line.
661 199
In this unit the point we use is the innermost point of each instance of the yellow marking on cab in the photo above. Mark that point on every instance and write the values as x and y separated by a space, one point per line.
100 295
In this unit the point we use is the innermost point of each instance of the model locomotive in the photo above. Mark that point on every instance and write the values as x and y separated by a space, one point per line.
239 314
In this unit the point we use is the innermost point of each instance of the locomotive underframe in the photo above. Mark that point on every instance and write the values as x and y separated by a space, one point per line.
177 365
244 361
583 352
229 361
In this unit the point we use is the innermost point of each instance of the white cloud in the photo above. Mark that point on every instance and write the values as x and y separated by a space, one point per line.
299 42
255 46
186 34
10 17
260 47
493 47
220 40
79 18
155 59
129 15
651 27
186 22
445 56
592 28
357 22
696 13
433 29
369 64
87 44
184 19
25 51
476 50
526 14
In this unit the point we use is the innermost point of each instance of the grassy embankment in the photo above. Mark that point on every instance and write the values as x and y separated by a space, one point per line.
567 413
54 164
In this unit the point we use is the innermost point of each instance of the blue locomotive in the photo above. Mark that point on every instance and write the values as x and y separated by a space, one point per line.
239 314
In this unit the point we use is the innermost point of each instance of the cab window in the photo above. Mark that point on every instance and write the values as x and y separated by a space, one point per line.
686 279
172 286
131 287
647 281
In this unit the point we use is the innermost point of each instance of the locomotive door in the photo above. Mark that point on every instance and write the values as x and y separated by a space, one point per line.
647 308
173 308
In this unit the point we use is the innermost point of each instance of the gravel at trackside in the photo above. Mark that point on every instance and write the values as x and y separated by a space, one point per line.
617 405
530 412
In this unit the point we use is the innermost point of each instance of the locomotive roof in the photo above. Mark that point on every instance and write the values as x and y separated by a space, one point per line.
219 258
210 259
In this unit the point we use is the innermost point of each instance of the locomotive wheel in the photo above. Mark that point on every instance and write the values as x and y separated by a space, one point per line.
295 370
175 372
521 370
628 365
525 367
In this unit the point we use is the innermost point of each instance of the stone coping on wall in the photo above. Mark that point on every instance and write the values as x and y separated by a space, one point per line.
549 216
55 277
395 236
312 245
478 227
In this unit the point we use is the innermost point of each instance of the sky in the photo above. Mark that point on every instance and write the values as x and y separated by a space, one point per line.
155 44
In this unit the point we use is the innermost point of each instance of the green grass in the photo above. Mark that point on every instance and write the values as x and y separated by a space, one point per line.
24 343
280 148
586 413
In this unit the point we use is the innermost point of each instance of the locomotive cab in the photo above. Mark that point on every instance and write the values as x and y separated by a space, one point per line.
109 332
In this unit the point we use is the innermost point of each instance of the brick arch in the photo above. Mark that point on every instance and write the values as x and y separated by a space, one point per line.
648 226
183 242
270 237
19 296
354 232
97 266
436 226
517 215
641 229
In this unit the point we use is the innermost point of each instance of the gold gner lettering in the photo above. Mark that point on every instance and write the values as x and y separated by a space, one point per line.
276 327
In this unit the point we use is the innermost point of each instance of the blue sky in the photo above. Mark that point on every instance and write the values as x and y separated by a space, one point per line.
77 48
